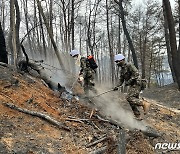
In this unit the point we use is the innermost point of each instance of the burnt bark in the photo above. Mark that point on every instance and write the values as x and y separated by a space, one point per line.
110 44
3 52
50 32
72 24
131 46
168 45
172 37
17 26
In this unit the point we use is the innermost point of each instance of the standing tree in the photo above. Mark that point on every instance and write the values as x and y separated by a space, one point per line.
172 37
123 20
72 23
14 31
50 32
110 42
3 52
166 31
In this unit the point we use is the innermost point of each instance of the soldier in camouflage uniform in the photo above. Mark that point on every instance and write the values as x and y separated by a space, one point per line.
129 75
86 72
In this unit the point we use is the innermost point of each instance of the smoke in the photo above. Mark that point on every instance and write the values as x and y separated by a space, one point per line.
113 105
53 72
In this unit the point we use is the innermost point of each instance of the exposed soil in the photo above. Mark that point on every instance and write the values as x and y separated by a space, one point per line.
23 133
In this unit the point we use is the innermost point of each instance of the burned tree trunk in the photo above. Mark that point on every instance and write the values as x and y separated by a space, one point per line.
110 44
50 32
131 46
14 45
3 53
172 37
168 45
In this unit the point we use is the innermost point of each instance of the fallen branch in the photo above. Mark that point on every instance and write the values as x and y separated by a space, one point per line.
100 118
38 114
91 113
96 126
76 120
70 118
100 150
97 116
3 64
164 107
97 141
113 122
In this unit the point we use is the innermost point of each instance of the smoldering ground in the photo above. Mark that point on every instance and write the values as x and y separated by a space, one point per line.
111 104
114 105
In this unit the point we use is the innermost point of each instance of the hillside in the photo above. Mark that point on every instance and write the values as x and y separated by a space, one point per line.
80 124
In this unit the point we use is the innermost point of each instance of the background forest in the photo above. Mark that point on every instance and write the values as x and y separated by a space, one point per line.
146 32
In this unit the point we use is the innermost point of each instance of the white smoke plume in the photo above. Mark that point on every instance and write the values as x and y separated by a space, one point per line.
112 105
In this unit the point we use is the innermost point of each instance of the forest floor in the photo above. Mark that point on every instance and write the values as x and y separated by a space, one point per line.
22 133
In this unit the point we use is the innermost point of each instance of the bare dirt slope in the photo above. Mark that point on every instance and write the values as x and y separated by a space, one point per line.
23 133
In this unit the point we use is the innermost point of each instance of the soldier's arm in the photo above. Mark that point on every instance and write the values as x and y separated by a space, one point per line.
121 80
134 70
82 65
134 74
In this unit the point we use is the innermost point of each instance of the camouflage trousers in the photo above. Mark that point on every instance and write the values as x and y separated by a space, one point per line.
89 84
133 98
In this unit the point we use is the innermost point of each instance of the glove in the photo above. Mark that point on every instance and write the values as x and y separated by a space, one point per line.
115 89
80 79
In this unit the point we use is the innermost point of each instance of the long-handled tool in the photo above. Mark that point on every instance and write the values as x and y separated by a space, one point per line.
102 93
98 96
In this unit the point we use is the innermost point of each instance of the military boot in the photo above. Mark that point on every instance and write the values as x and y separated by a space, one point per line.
145 106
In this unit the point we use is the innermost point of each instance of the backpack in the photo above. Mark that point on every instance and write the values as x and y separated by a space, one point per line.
92 62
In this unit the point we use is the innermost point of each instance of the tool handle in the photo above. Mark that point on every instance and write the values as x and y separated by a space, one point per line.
102 93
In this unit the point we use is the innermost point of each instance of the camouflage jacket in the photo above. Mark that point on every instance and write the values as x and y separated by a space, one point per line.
86 70
129 74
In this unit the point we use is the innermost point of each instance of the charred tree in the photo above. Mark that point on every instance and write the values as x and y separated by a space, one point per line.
72 23
168 45
50 32
131 46
23 65
3 52
14 44
110 43
172 37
